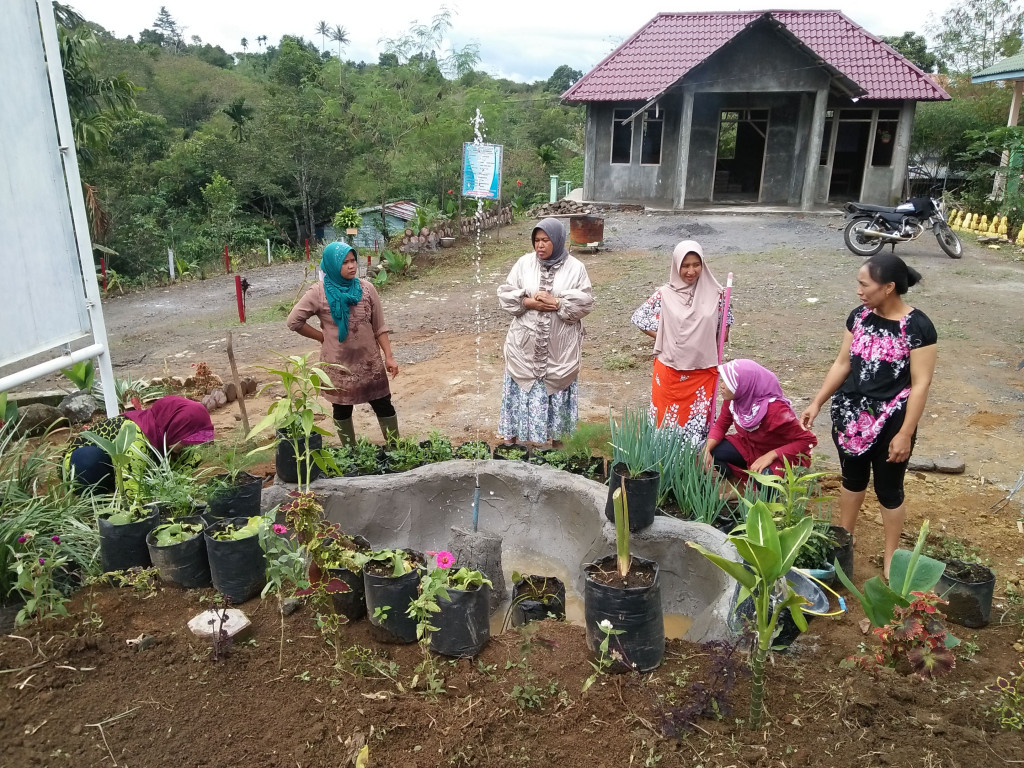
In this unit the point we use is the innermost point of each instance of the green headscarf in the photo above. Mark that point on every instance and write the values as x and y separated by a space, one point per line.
342 294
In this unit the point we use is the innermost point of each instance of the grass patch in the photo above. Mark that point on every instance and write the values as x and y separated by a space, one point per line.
620 361
277 311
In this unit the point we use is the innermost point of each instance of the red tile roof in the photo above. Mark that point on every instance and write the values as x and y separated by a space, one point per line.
672 44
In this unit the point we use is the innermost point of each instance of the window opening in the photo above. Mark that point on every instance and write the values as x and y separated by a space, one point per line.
622 136
650 146
885 137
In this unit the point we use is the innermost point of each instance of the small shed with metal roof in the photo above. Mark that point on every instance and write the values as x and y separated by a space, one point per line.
371 235
790 108
1012 69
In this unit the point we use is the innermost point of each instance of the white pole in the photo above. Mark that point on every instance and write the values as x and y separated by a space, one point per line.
170 263
268 250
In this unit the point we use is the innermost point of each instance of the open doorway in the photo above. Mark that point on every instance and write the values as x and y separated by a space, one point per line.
851 150
742 135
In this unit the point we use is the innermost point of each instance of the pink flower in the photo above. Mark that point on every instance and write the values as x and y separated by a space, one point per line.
445 559
865 422
22 539
42 561
55 539
279 529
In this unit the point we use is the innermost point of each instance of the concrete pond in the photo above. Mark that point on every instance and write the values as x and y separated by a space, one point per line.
543 516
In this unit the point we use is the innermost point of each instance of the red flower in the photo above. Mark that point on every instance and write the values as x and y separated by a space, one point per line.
519 182
451 192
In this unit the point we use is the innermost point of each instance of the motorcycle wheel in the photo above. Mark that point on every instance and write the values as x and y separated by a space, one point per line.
857 242
948 241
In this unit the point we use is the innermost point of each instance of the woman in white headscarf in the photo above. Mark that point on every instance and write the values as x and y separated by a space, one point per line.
684 317
547 293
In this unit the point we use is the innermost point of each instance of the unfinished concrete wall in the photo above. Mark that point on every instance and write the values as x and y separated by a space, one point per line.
539 509
633 182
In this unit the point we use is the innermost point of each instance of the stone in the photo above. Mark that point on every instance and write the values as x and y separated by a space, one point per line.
951 465
230 392
290 606
921 464
205 624
209 402
249 385
481 552
78 407
36 418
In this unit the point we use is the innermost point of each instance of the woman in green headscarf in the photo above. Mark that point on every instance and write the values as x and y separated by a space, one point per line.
352 334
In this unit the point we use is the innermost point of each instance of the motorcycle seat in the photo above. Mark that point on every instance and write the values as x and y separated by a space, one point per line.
867 208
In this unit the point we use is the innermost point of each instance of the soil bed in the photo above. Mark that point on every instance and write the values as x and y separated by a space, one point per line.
69 685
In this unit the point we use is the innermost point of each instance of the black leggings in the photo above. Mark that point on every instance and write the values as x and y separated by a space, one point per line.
888 476
381 406
724 454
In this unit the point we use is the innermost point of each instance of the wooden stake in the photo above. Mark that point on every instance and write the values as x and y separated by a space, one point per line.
240 393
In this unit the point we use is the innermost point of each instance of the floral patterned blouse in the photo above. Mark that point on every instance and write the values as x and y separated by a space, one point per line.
648 315
879 380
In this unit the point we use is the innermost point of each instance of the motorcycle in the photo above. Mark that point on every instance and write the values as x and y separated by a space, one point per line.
870 227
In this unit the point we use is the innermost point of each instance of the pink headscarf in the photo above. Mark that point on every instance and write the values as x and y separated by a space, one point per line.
172 420
688 327
753 387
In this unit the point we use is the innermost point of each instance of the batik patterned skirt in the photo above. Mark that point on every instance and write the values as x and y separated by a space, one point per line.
682 400
534 416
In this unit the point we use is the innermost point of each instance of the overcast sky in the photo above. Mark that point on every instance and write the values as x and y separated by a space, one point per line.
521 40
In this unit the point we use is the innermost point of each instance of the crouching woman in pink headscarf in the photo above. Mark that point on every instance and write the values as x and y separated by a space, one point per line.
767 430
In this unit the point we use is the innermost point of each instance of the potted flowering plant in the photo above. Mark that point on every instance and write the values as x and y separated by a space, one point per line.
458 601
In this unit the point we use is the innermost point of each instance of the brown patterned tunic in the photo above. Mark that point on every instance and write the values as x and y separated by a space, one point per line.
363 377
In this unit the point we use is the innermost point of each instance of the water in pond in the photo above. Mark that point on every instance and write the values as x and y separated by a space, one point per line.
529 562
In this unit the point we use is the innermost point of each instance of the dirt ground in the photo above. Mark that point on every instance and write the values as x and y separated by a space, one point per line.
794 285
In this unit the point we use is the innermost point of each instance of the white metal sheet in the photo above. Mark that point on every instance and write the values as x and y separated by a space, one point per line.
42 297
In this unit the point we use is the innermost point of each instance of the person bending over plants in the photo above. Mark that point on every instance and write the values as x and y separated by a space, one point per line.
352 336
168 426
767 433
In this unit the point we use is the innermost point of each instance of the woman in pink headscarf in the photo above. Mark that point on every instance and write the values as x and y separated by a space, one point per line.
683 317
767 429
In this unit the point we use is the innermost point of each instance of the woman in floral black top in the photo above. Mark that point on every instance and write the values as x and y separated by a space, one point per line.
878 385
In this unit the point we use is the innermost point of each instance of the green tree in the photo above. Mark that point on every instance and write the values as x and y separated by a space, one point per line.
221 203
562 79
974 34
914 48
168 27
297 62
323 30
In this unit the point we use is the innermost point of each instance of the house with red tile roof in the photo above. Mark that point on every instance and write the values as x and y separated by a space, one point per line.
789 108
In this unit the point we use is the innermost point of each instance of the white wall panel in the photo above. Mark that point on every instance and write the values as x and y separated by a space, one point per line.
42 298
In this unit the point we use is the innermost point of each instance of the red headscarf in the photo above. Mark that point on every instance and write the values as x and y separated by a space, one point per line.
172 420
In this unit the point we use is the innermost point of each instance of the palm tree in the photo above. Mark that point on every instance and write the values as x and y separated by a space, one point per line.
240 114
323 30
262 39
245 45
339 36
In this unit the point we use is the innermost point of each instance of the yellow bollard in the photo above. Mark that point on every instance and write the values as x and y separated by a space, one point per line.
973 223
993 228
959 223
1020 236
983 226
1003 228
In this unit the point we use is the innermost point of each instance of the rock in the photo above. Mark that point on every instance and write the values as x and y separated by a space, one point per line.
230 392
216 399
290 606
205 624
921 464
36 418
249 385
950 466
78 407
190 382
